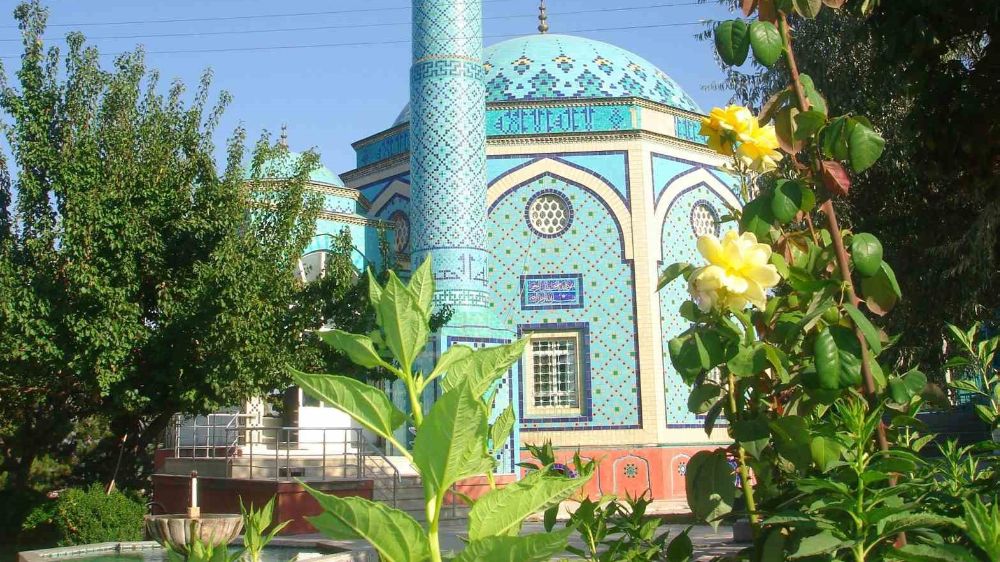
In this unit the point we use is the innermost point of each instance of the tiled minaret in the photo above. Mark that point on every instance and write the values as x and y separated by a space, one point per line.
448 155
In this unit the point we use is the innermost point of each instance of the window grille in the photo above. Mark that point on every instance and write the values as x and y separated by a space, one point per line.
555 373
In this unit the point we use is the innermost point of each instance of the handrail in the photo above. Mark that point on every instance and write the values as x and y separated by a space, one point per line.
395 471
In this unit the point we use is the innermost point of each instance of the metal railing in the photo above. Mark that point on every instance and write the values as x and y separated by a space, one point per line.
281 453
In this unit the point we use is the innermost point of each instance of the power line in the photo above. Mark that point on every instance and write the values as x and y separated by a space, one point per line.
247 17
367 25
375 43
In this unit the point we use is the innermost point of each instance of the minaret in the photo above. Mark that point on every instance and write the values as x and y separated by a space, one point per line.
448 155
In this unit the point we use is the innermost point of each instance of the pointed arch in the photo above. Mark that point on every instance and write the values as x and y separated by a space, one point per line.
395 188
693 179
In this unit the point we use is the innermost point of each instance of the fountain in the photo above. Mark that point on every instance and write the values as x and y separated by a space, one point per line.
178 532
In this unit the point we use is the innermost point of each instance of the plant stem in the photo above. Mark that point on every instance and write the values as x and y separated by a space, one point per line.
742 464
434 516
418 410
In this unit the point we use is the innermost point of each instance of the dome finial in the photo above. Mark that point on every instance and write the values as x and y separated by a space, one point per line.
543 24
283 139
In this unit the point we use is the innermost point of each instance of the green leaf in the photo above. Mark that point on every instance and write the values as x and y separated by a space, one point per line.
673 271
530 548
702 397
358 348
709 485
766 42
732 41
808 8
903 389
825 452
368 405
449 444
502 427
867 328
865 146
833 139
906 520
809 123
982 525
827 360
501 511
881 291
787 200
753 434
404 323
680 549
422 285
816 100
451 356
483 367
790 435
933 553
774 546
684 357
866 252
748 361
823 542
395 535
374 295
757 217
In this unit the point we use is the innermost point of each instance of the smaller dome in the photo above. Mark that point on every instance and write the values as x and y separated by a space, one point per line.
284 166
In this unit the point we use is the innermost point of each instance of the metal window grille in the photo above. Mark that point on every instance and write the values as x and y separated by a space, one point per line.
554 370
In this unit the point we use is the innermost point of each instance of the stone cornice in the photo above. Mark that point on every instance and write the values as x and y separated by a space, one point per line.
598 136
379 136
354 219
374 167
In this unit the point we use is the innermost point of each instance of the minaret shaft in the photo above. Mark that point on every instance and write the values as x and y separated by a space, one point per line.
448 154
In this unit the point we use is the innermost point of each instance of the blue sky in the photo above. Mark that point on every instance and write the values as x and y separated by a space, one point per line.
331 96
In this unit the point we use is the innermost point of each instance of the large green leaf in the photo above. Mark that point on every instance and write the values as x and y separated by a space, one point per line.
982 525
827 360
941 552
866 253
881 291
773 549
502 426
757 217
483 367
422 285
501 511
732 41
404 323
816 99
808 8
808 123
702 397
865 146
395 535
753 434
358 348
709 484
766 42
825 451
374 295
530 548
684 357
906 520
451 356
673 271
449 445
866 327
790 435
748 361
833 139
368 405
902 389
823 542
787 200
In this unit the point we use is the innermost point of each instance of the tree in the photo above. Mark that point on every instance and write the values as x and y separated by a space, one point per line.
922 72
137 280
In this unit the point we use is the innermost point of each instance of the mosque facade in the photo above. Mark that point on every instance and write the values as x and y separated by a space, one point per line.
550 178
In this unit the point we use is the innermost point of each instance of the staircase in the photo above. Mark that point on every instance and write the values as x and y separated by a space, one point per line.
408 495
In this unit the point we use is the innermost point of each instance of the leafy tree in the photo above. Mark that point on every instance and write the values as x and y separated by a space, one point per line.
922 72
137 279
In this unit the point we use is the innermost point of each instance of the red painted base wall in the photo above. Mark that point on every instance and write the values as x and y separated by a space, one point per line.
222 495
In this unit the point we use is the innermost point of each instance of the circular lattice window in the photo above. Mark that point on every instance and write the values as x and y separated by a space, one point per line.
549 214
704 219
402 227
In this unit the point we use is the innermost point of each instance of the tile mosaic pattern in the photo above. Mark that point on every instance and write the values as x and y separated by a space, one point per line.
611 166
688 129
448 152
678 243
553 66
546 120
394 144
593 248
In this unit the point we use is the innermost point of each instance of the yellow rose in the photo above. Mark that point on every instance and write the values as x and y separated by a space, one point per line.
738 272
726 127
759 149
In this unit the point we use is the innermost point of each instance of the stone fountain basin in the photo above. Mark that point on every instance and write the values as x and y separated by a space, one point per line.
178 532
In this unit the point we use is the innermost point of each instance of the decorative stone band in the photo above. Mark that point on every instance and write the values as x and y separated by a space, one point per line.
439 67
354 219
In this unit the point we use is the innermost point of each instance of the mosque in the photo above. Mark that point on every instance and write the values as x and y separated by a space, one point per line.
550 178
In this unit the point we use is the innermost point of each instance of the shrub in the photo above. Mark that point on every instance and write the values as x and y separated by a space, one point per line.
83 516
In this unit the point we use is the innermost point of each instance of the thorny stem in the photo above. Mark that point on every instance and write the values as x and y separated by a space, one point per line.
838 245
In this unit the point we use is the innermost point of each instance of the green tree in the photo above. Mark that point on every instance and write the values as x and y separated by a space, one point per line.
137 279
922 72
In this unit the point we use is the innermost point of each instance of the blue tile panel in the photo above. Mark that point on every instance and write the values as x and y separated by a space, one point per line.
551 292
344 205
593 248
571 119
394 144
372 190
397 205
586 389
448 154
688 129
678 243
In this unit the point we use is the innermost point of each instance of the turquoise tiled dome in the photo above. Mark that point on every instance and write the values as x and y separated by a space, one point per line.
284 166
550 66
